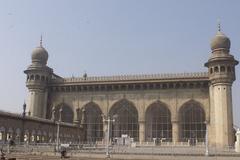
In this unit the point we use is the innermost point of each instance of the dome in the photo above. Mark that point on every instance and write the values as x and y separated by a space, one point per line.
220 41
39 55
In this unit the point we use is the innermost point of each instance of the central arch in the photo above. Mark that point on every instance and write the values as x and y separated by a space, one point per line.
127 120
158 122
93 122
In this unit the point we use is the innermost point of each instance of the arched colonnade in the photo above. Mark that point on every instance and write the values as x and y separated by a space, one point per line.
33 136
157 125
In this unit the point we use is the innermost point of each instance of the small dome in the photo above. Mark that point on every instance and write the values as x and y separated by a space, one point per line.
39 55
220 41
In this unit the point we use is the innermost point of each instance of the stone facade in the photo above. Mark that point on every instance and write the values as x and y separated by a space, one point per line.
165 107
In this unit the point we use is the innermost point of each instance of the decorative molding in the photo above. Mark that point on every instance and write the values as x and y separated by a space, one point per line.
136 86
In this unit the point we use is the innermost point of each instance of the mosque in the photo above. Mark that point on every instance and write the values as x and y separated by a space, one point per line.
168 107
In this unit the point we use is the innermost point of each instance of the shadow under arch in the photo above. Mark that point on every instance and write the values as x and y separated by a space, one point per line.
158 122
126 122
93 122
67 113
192 119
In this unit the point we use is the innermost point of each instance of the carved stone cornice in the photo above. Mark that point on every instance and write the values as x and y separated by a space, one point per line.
158 85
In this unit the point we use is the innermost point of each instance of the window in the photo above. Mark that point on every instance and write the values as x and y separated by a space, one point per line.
216 69
211 70
222 69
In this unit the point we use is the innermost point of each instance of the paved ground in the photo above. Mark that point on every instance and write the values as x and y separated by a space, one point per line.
122 153
118 157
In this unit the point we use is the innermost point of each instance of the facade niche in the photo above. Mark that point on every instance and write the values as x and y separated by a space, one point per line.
192 121
93 122
158 122
216 69
126 122
37 77
222 69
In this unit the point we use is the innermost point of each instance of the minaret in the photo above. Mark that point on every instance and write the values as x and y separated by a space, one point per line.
221 68
38 76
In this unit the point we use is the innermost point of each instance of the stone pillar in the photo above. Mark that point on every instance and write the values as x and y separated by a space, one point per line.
223 115
37 103
175 132
141 131
237 143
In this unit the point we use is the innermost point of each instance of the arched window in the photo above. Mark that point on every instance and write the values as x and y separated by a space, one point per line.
158 122
32 77
126 122
93 122
192 119
211 70
222 69
37 77
42 78
216 69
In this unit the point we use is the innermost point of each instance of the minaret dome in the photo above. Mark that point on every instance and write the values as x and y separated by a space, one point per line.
40 54
220 41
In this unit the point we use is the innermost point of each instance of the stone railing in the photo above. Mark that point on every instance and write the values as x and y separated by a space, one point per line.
135 77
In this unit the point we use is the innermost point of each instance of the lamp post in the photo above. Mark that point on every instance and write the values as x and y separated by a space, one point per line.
78 124
23 121
58 127
108 120
206 141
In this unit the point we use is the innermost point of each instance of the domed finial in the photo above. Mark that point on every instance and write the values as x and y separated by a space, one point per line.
220 41
41 41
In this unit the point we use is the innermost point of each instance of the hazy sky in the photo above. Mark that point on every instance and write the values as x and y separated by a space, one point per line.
112 37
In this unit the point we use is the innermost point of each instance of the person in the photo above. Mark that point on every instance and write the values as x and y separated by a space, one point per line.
63 152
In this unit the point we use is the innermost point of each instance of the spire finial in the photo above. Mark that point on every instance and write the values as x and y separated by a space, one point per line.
219 25
41 41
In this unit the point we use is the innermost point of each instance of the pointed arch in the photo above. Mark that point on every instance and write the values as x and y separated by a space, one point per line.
93 122
158 122
192 119
127 119
67 113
